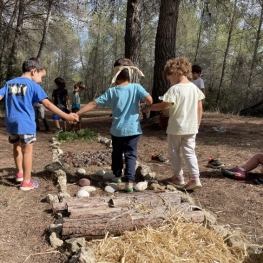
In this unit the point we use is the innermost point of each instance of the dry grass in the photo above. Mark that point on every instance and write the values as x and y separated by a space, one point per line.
172 242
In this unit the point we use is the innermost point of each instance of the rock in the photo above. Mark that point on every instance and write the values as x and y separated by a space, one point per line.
83 255
141 186
74 244
88 188
144 172
100 172
84 182
81 171
111 188
61 196
57 228
82 193
157 187
55 241
108 176
51 199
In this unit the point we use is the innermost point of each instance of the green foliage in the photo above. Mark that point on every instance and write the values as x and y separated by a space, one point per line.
82 135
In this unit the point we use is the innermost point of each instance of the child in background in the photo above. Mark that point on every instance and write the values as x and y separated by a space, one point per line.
240 172
40 112
185 102
60 98
20 94
125 130
75 107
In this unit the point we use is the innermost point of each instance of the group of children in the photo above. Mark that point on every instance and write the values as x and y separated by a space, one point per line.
184 100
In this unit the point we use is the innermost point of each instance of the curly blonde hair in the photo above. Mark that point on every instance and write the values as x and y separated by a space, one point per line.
180 65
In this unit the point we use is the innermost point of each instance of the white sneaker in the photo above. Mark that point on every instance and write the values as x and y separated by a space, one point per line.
192 185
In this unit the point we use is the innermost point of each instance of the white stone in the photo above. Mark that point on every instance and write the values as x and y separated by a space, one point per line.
81 171
82 193
108 176
111 188
100 172
88 188
141 186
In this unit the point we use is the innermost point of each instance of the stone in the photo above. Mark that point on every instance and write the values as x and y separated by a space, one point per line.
61 196
84 182
157 187
100 172
111 188
51 199
83 255
88 188
82 193
81 171
141 186
108 176
55 241
74 244
57 228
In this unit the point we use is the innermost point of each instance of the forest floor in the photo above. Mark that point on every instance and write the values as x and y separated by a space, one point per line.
26 216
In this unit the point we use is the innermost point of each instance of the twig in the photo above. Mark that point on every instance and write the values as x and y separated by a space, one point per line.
40 253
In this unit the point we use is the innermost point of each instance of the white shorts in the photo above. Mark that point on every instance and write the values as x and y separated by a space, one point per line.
24 139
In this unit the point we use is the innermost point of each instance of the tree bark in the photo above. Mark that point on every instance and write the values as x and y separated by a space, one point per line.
164 44
133 33
45 30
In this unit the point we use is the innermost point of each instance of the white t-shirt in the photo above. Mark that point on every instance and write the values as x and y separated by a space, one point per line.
199 83
183 119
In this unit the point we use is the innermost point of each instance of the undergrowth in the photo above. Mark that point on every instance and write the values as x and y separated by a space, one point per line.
82 135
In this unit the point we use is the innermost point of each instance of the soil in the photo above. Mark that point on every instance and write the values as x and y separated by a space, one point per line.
25 216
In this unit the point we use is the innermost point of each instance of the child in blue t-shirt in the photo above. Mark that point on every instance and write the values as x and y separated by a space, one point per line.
123 98
20 94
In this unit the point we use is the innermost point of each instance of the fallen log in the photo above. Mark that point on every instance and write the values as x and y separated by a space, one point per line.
93 218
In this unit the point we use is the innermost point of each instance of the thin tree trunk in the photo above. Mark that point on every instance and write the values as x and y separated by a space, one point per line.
44 35
133 33
255 53
164 44
226 54
13 54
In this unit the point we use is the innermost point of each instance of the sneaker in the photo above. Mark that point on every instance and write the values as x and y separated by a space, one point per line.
237 173
177 180
159 157
29 186
221 129
19 177
214 163
128 188
116 180
59 130
192 185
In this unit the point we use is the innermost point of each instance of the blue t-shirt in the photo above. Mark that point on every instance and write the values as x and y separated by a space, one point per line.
20 94
124 102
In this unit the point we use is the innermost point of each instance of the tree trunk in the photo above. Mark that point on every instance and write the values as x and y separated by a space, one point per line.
164 44
133 33
44 35
11 72
231 26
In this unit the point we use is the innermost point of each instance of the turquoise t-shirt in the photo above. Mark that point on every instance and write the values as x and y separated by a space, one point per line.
124 102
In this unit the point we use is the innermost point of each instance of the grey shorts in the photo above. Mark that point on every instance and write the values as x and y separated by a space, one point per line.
24 139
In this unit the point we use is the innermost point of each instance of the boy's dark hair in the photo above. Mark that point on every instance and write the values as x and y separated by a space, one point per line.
60 82
124 74
196 69
30 64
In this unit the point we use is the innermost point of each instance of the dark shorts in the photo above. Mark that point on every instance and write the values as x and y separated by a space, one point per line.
55 117
74 110
24 139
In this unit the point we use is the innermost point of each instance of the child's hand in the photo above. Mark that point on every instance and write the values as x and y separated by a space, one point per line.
74 118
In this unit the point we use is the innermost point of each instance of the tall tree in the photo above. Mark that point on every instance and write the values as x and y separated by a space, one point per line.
164 44
133 32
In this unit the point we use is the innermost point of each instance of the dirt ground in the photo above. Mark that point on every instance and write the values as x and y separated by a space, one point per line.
25 216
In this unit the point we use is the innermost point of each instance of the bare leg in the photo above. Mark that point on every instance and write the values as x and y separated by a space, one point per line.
27 161
253 162
57 124
18 156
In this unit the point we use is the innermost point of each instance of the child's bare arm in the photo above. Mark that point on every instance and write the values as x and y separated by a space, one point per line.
158 106
88 107
51 107
148 99
1 97
199 111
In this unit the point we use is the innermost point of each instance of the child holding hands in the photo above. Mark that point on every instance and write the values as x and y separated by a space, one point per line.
123 98
184 100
